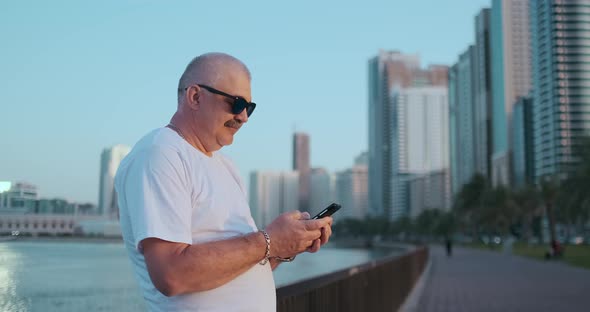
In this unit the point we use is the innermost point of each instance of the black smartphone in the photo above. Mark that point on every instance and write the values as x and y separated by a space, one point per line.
328 211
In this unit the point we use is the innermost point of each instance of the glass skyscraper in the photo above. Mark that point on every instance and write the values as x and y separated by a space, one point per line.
522 147
482 83
561 78
511 76
461 116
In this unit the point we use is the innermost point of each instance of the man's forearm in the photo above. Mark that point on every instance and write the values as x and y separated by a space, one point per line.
200 267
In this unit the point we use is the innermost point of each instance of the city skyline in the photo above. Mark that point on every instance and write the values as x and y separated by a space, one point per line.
88 76
408 127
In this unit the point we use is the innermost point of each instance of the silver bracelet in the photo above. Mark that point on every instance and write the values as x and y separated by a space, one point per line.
267 254
283 259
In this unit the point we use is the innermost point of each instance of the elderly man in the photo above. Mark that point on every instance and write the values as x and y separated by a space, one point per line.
184 213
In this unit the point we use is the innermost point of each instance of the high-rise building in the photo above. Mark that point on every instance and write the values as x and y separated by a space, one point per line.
389 72
511 76
301 164
561 79
322 189
420 139
272 193
352 192
522 143
462 120
482 84
109 163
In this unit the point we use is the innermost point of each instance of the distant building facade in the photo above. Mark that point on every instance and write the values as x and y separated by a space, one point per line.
420 139
430 191
19 197
272 193
301 164
511 76
30 224
50 225
462 118
109 163
522 144
482 88
322 189
362 159
390 72
352 192
561 83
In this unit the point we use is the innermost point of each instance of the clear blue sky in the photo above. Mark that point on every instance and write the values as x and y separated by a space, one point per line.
79 76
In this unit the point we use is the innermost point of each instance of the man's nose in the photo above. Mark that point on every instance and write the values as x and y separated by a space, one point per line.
243 116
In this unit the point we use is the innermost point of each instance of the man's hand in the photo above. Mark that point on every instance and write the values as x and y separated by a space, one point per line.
293 233
326 233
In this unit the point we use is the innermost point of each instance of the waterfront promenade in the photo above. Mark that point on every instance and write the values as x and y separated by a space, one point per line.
480 280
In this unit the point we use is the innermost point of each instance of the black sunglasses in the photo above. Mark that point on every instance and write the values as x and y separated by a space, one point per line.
238 104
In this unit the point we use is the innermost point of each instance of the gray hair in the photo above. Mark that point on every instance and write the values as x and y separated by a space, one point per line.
208 69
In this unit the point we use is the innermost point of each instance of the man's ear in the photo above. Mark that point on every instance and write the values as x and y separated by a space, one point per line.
193 97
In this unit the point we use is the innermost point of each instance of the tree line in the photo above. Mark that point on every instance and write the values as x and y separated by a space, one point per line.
480 208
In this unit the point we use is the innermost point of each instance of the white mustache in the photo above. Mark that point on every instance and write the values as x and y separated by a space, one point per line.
233 124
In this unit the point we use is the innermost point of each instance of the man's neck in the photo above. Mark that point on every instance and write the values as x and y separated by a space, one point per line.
189 134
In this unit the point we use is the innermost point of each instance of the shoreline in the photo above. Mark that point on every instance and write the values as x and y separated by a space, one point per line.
336 243
66 239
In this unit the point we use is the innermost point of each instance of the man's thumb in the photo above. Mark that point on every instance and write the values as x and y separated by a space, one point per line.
295 214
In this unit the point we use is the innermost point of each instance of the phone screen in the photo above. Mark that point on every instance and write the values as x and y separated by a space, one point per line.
328 211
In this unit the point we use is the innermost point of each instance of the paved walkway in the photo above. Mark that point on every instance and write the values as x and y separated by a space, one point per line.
479 280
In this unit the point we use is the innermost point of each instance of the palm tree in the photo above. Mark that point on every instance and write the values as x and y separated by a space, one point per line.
574 190
470 201
426 222
445 225
496 212
402 226
549 188
526 202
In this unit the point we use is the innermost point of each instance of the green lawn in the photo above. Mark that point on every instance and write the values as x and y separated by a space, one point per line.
578 255
480 245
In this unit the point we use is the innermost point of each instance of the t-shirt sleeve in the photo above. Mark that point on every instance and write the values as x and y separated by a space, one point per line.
158 198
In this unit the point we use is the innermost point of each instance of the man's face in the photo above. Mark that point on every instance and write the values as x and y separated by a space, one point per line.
215 112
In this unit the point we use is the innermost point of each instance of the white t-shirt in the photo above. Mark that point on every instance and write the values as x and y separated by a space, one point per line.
169 190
